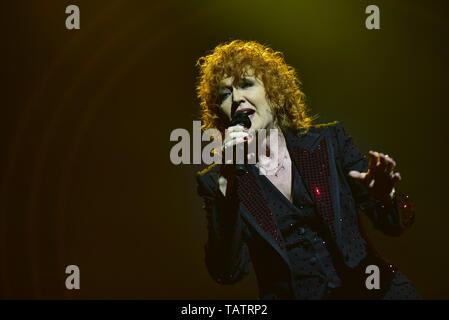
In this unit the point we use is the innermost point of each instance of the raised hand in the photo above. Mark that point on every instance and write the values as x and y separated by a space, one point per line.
380 177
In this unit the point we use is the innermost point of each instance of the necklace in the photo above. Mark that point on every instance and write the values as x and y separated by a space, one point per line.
265 170
275 171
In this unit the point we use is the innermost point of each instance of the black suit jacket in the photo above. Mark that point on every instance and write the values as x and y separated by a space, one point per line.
241 227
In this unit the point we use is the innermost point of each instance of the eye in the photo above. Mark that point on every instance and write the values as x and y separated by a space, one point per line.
224 94
245 83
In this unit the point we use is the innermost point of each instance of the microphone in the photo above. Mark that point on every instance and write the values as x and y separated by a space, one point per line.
241 118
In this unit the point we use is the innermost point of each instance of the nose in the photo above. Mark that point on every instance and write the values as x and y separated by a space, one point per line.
237 99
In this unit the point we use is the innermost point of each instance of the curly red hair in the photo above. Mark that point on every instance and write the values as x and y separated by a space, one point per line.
282 86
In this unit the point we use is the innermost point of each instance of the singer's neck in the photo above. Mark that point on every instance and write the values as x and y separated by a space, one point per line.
274 133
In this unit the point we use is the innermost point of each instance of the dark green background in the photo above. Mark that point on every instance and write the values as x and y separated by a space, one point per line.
85 174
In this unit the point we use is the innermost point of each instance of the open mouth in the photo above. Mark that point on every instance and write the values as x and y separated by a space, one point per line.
249 112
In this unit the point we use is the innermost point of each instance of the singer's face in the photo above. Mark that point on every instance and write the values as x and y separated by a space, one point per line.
248 95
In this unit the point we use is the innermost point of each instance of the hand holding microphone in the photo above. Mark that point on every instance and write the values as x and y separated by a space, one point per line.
237 136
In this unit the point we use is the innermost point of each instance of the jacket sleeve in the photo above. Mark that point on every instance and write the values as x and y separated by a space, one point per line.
226 251
391 220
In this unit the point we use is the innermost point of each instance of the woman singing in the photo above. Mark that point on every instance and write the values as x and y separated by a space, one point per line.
293 216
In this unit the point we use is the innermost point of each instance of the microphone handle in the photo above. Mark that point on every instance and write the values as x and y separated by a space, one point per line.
242 119
240 168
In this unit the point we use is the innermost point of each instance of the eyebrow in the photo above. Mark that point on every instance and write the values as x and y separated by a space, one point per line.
222 86
247 78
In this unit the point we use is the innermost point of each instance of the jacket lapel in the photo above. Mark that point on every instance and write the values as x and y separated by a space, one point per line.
311 153
257 212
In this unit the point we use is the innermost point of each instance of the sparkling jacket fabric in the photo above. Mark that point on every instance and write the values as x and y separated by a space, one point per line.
312 267
312 247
